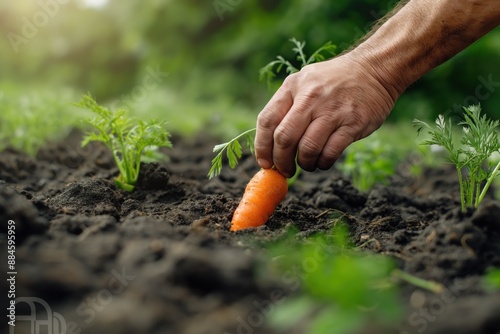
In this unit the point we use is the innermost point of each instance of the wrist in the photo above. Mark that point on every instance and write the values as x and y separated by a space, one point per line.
391 75
375 83
422 35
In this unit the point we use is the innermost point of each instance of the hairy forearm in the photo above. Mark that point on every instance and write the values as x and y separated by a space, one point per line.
423 34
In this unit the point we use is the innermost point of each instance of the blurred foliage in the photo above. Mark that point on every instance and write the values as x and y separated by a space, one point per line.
372 160
375 159
30 118
212 53
340 289
491 278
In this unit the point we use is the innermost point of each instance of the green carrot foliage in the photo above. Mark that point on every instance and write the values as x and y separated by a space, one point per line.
336 282
471 155
269 71
127 138
29 118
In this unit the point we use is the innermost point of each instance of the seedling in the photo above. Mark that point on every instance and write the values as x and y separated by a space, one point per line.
31 118
369 162
341 290
127 138
233 147
374 160
479 141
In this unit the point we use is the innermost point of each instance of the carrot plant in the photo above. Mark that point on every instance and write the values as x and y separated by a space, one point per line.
375 159
369 162
341 289
471 154
269 71
32 117
233 147
128 139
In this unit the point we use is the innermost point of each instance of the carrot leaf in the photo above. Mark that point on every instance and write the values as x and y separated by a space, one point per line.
472 154
129 140
269 71
234 152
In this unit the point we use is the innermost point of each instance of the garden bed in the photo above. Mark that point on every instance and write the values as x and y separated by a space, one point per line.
162 259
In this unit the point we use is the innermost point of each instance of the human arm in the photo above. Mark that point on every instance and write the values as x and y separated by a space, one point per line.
322 109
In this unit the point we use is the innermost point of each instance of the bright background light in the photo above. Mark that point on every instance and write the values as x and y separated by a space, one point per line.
95 3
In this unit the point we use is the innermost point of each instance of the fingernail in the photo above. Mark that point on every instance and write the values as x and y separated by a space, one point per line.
264 163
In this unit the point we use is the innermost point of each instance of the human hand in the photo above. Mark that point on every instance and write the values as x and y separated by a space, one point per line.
318 112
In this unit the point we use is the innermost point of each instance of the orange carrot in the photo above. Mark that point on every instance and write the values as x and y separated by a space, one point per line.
262 195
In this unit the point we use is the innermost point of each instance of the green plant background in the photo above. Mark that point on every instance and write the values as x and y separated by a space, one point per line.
213 82
213 61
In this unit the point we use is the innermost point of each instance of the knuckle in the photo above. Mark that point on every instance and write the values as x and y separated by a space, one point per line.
261 151
311 86
265 120
312 94
290 80
309 149
328 157
283 137
333 150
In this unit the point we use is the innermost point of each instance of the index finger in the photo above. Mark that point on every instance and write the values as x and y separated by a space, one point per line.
267 122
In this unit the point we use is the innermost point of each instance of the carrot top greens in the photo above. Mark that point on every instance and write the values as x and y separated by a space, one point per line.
269 71
127 138
233 150
29 118
478 143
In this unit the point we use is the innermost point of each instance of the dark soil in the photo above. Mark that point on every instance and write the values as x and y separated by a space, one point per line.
162 259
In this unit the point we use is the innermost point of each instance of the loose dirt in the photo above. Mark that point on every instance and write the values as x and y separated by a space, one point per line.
162 259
